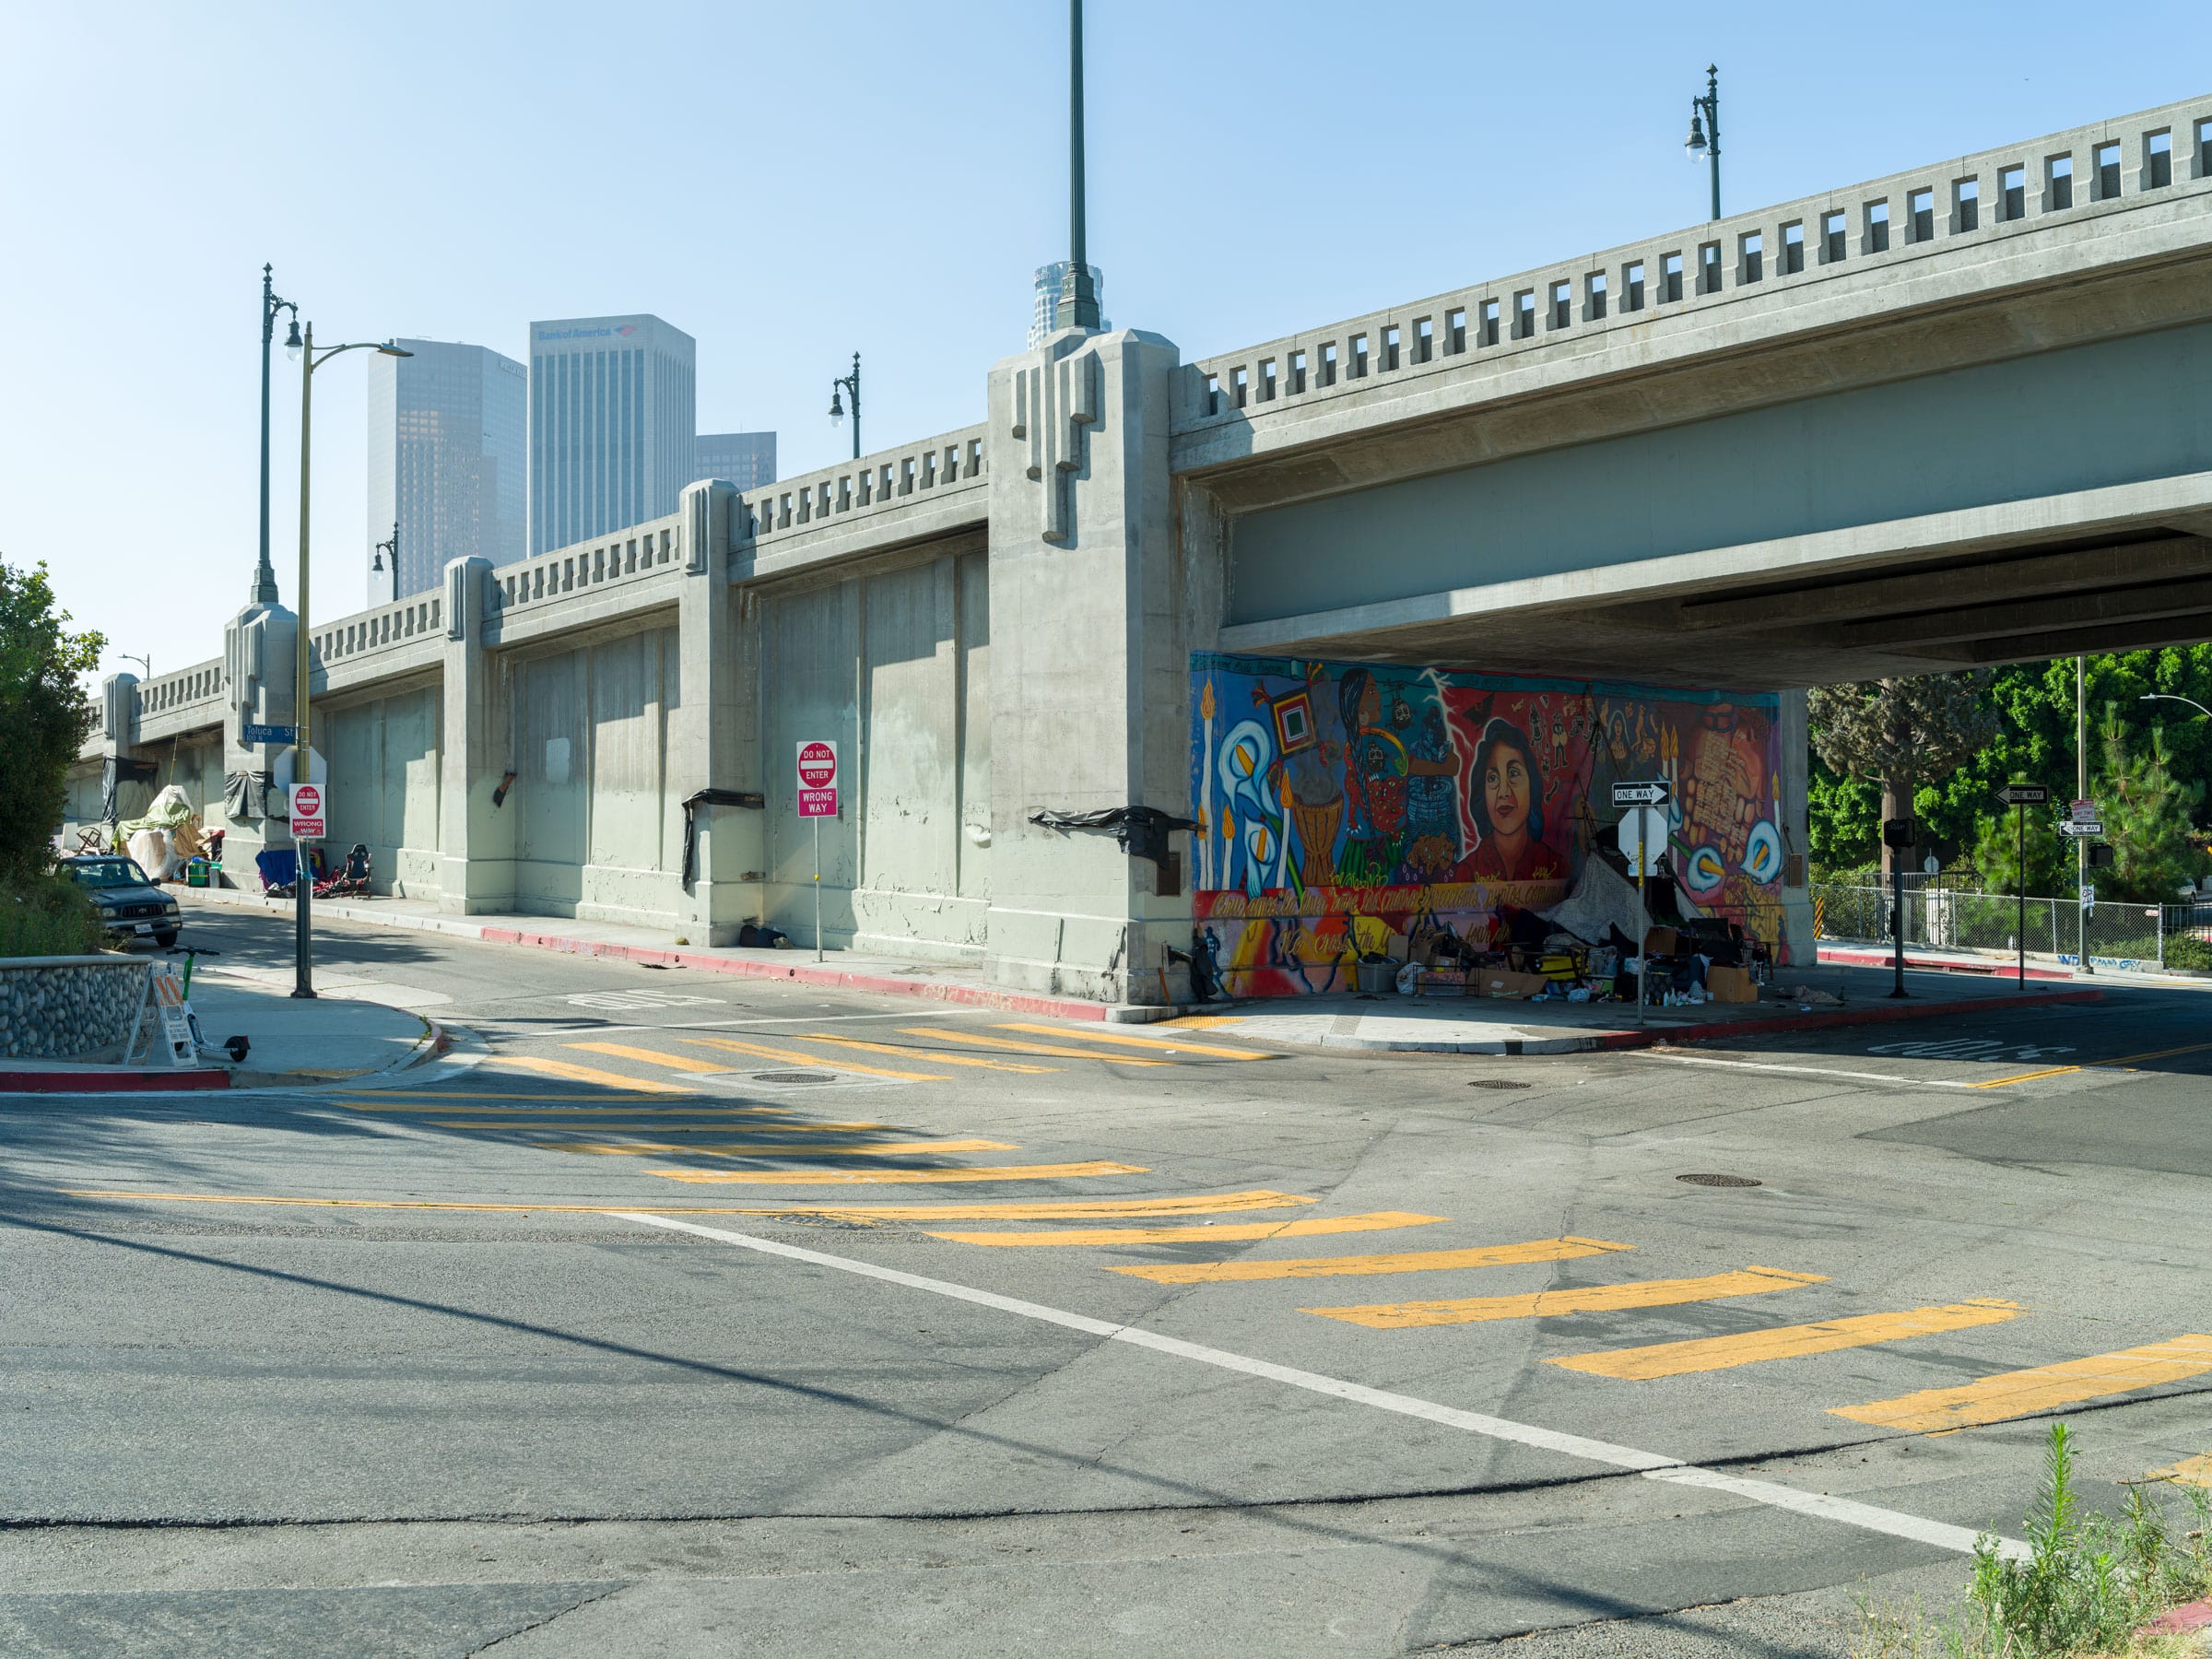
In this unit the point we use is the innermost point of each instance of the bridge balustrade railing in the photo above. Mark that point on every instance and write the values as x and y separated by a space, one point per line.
2166 154
1948 919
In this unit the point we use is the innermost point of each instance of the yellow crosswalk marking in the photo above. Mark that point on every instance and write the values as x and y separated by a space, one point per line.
933 1058
1375 1221
1785 1341
623 1050
588 1074
799 1056
2190 1471
1201 1204
1410 1261
977 1040
1591 1298
1131 1039
777 1148
1066 1172
1203 1022
2040 1388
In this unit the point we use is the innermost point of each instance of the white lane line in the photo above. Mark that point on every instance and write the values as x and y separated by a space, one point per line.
1651 1465
1803 1071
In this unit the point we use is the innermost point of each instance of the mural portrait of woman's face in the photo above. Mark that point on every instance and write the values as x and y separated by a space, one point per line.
1506 792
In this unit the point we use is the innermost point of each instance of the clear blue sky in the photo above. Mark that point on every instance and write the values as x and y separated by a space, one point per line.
790 183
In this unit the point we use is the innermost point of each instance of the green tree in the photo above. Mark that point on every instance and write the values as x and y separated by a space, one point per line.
2147 815
45 717
1900 732
1997 853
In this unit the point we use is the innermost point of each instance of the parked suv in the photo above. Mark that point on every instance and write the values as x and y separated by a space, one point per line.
130 904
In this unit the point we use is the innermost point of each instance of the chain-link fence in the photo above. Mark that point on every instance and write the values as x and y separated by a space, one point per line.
1946 918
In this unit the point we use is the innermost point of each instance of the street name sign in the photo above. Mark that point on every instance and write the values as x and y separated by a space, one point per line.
817 779
268 733
2025 794
1654 794
307 812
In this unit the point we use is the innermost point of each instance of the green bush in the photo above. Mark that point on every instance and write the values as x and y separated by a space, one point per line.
2187 951
47 915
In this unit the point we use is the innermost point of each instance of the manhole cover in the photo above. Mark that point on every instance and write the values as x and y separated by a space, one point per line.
1498 1083
1719 1181
795 1076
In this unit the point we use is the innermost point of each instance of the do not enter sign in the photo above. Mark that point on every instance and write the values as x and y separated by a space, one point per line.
307 812
817 779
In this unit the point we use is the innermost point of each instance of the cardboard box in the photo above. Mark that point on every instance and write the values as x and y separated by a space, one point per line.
1660 941
1496 981
1730 985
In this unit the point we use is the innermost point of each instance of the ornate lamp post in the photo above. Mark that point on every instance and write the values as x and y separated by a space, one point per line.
309 360
1705 130
265 573
838 386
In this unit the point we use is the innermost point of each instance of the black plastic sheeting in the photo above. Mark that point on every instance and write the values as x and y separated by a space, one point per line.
1141 830
709 798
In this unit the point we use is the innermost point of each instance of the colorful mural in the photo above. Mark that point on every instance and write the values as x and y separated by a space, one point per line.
1343 807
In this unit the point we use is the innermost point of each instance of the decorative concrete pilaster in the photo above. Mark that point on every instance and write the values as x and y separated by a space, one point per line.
1796 830
712 744
259 684
475 831
1089 669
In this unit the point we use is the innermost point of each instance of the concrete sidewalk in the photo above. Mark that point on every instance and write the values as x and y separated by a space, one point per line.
842 970
331 1039
1990 965
1844 996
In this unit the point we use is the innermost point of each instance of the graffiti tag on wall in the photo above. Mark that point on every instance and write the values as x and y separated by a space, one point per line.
1344 807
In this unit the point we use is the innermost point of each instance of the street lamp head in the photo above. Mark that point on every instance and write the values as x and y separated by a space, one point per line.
291 341
1694 145
391 350
837 404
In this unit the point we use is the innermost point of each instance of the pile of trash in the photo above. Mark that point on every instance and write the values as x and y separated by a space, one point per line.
1593 947
166 838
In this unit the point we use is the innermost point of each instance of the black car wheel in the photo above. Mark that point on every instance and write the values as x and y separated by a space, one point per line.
166 939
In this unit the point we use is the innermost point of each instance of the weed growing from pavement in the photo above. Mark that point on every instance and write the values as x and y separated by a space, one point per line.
2091 1580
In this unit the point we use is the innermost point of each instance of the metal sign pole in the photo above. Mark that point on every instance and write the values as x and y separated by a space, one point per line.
2019 816
1644 946
817 889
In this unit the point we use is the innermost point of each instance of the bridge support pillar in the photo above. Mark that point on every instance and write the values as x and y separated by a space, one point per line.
712 741
1796 831
1090 675
475 832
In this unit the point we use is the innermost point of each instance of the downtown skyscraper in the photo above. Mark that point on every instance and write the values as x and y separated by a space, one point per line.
612 407
446 466
744 459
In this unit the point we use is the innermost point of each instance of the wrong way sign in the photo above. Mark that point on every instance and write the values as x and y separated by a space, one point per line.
307 812
817 778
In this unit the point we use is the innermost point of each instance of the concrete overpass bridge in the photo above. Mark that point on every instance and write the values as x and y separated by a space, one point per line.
1599 518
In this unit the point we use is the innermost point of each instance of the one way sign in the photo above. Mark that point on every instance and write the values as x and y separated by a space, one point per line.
1654 794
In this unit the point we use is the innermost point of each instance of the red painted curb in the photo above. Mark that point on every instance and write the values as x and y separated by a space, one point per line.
111 1082
807 973
1991 968
1839 1016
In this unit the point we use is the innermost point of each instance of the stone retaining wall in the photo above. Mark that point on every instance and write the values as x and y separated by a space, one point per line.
79 1008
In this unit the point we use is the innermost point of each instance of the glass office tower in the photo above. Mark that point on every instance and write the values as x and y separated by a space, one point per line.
746 459
445 462
1045 305
611 423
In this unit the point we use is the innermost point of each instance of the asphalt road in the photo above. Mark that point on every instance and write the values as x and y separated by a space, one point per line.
683 1314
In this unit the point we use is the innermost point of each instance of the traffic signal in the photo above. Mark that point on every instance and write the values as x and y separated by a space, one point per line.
2100 856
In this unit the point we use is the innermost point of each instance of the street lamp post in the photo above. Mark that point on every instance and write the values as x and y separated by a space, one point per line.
2169 697
391 547
1705 130
265 573
1080 295
838 386
302 881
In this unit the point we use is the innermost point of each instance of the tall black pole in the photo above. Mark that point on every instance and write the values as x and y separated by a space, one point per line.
1712 127
854 384
2019 817
265 573
1081 297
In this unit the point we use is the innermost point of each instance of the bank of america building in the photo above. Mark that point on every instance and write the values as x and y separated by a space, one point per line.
611 409
445 462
